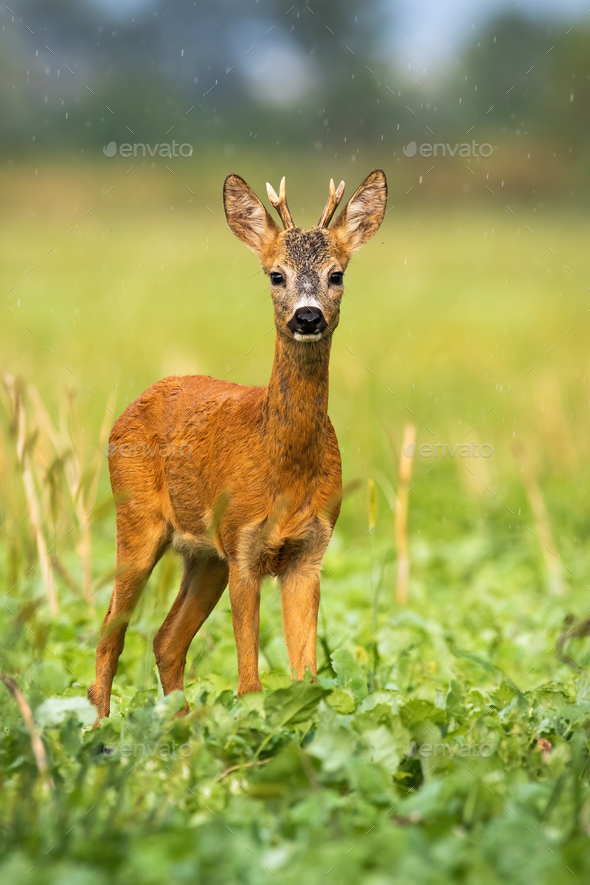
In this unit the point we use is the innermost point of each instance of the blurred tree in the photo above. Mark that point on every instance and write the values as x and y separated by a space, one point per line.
536 78
305 74
344 41
151 66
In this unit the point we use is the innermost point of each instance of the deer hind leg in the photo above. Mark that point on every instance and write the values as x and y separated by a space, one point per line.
300 591
135 562
203 582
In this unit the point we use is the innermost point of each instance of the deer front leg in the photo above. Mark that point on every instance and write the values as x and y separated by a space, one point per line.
301 603
244 597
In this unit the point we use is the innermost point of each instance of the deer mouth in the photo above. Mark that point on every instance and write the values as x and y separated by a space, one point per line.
310 336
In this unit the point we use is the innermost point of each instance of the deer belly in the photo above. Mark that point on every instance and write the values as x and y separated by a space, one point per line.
188 544
271 553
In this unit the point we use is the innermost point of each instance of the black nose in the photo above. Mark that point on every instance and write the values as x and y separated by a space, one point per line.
307 321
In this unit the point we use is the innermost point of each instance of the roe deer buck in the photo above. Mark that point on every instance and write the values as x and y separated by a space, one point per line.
261 489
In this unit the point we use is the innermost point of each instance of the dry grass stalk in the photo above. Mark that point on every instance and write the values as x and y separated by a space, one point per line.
24 447
82 481
372 503
554 426
401 513
541 518
36 742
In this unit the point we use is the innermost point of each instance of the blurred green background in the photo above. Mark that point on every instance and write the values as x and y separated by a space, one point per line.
467 315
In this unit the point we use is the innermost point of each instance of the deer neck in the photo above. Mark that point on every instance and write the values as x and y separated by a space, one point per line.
295 413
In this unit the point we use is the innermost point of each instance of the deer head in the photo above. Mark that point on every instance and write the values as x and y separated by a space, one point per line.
306 267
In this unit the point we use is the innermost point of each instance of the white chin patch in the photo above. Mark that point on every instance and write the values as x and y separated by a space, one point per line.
314 337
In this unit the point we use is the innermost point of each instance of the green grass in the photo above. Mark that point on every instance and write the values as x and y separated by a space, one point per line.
444 315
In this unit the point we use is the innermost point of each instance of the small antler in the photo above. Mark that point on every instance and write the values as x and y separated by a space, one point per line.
334 198
280 203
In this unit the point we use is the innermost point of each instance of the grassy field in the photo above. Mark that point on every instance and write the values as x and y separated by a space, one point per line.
470 323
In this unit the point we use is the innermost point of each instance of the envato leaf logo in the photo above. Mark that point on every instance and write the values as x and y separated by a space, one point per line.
472 149
143 150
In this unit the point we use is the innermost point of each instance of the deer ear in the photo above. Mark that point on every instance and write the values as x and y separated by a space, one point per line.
363 213
247 217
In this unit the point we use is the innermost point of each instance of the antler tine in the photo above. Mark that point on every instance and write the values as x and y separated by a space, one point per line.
334 198
280 203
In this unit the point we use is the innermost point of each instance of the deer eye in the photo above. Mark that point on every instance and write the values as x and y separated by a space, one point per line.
336 278
277 279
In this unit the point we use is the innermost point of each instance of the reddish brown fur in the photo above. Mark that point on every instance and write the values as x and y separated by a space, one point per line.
243 481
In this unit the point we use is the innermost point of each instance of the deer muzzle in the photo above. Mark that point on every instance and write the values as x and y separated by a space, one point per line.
307 324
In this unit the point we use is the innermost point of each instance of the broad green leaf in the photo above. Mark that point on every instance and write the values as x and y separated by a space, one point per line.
367 779
333 744
417 710
55 710
382 748
350 674
341 700
294 704
274 680
455 701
